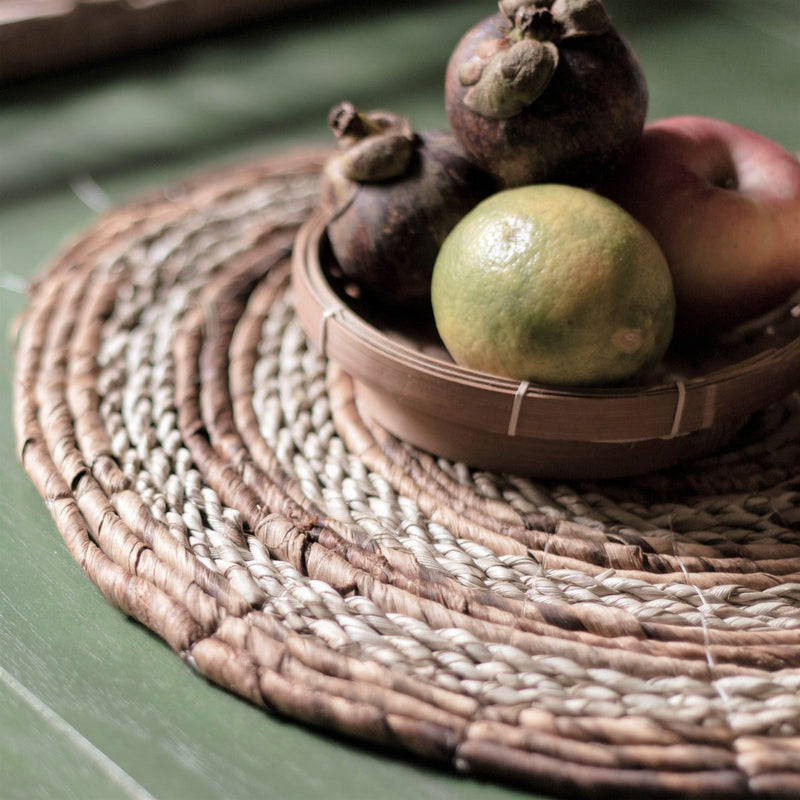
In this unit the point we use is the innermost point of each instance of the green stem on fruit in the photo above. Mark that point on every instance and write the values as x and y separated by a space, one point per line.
513 75
513 79
375 145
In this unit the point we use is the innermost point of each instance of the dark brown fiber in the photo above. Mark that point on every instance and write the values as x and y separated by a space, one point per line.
210 472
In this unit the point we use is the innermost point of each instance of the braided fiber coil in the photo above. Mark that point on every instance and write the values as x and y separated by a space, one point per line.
210 472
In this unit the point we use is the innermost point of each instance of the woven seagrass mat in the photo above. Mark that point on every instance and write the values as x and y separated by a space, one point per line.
210 473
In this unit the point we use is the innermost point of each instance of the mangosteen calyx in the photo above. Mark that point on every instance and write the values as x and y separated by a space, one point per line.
510 73
374 145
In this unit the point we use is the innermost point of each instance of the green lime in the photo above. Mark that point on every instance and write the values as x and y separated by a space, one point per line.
556 285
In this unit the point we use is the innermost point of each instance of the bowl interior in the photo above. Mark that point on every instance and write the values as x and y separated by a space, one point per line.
685 360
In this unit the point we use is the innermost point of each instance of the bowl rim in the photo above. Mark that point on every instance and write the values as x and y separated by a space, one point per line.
521 408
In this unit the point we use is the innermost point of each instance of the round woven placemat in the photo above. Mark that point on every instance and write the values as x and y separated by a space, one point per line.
211 474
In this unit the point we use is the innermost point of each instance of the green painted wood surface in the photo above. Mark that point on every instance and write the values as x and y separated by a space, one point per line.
91 704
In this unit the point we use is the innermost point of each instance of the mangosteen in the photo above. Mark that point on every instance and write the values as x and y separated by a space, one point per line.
546 90
391 196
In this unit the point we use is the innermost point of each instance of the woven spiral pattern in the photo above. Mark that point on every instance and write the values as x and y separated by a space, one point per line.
211 474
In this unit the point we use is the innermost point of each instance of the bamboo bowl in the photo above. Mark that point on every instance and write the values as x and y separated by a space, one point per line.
405 381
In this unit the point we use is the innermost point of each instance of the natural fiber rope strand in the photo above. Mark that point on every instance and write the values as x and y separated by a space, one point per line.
555 658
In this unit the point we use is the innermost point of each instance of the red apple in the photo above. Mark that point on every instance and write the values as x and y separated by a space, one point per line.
724 204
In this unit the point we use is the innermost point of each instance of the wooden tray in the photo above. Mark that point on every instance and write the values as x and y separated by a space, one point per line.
52 35
405 381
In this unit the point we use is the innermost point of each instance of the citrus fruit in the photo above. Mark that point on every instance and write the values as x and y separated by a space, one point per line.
553 284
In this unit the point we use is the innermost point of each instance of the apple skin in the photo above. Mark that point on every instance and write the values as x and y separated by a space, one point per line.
724 204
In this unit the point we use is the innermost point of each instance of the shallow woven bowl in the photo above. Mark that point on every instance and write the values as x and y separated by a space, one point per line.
405 381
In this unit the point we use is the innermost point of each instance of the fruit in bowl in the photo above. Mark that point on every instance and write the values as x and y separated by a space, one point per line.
390 196
724 204
545 90
556 285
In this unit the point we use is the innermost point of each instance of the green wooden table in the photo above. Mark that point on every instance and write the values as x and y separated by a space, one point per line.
91 704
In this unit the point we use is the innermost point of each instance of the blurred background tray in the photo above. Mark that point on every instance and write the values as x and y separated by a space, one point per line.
42 36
